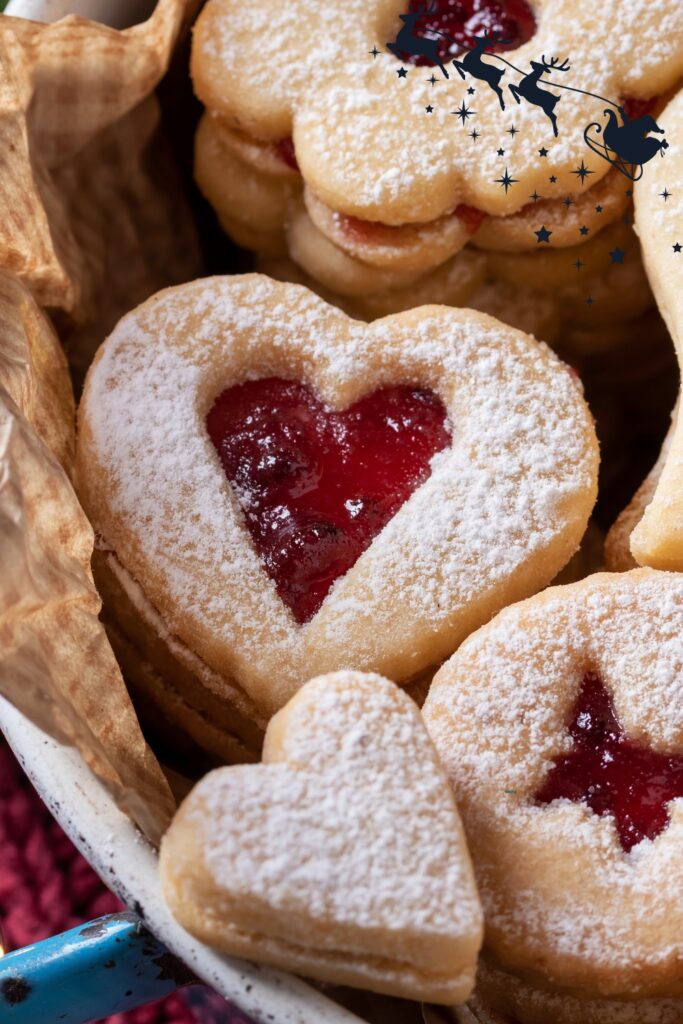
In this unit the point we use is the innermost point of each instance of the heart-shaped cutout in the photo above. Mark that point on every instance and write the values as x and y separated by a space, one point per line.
317 484
341 857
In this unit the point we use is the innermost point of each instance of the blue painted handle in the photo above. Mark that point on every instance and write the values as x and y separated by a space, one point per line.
108 966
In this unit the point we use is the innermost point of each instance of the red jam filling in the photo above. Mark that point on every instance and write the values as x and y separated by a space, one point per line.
471 216
286 152
317 485
612 773
373 232
638 108
462 20
367 232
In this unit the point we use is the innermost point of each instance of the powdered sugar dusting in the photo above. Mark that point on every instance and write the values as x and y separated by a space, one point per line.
556 886
503 508
355 825
309 71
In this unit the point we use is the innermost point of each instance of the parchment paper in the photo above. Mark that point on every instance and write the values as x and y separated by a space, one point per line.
92 218
92 221
56 664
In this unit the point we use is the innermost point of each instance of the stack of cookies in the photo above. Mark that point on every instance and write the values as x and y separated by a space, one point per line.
384 178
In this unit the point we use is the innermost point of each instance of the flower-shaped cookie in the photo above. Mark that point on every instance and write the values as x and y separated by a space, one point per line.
364 142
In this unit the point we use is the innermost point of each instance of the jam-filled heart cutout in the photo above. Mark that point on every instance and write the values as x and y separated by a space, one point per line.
317 484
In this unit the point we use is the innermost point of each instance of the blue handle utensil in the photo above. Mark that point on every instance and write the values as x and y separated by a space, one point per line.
108 966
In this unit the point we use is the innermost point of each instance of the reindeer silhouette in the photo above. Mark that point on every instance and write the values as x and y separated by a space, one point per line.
407 42
529 90
472 63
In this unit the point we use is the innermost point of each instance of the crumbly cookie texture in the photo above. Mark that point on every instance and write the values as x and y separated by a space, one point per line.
501 997
341 857
349 127
657 540
503 510
618 555
565 906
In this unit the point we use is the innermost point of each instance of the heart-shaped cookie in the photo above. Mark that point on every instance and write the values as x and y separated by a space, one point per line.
389 487
341 857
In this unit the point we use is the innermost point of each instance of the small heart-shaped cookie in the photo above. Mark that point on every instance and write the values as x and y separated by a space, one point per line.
341 857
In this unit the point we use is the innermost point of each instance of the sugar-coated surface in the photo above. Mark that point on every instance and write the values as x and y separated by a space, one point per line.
557 887
354 824
351 127
520 472
317 484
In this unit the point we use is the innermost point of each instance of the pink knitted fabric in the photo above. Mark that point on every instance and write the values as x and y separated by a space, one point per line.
47 887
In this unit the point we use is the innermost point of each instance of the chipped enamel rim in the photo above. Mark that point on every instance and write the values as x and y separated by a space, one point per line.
127 864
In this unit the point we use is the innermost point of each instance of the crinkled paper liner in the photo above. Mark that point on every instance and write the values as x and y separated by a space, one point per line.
56 664
91 215
92 221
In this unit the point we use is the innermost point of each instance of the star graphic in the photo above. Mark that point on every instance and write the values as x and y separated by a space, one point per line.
474 135
501 152
429 109
535 196
505 181
512 130
579 263
598 209
584 230
542 235
374 51
665 194
617 255
471 90
629 192
463 112
552 179
402 73
433 80
590 300
677 247
582 172
568 202
543 152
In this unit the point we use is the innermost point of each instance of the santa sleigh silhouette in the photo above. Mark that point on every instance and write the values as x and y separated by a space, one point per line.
626 146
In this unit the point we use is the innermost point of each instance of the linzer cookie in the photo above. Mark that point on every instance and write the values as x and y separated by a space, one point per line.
560 724
279 491
341 857
375 141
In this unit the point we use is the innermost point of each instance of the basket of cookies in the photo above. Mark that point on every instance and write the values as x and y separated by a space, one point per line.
341 604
